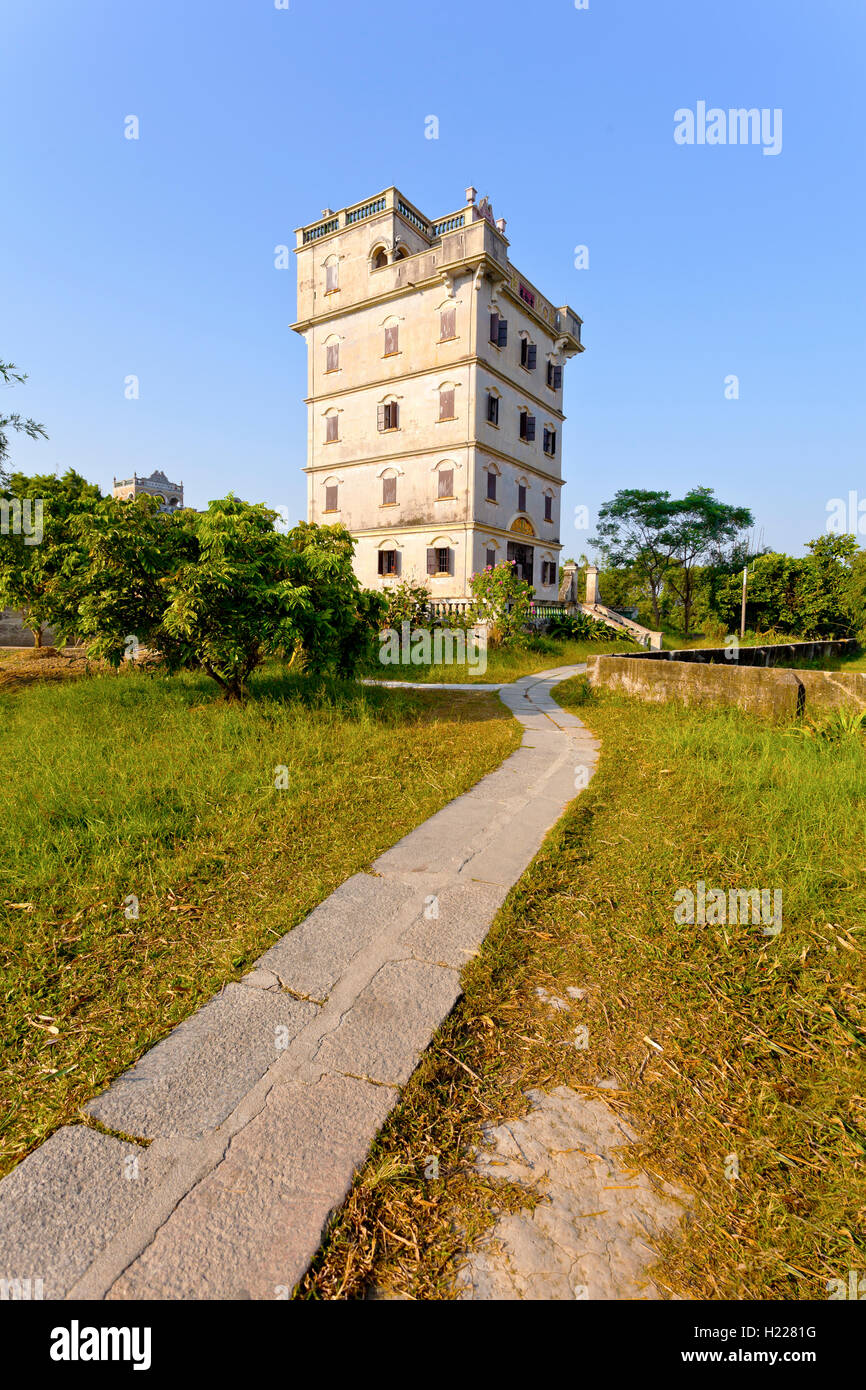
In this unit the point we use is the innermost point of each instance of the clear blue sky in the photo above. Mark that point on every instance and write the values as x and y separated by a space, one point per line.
156 257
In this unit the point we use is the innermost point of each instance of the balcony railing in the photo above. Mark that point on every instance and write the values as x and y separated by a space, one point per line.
449 224
368 209
323 229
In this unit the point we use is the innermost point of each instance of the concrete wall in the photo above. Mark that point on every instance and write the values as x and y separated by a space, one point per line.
781 654
774 693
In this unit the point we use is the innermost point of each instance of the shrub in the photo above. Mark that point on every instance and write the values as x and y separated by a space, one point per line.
502 600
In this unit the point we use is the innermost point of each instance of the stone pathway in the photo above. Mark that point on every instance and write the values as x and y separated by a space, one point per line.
589 1237
248 1122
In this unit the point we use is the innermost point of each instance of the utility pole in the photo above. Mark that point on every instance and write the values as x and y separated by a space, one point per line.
743 604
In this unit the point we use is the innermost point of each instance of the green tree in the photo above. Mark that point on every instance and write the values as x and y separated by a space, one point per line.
699 529
36 556
10 377
222 590
633 533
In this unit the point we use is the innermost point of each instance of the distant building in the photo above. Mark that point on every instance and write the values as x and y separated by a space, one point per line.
157 485
434 394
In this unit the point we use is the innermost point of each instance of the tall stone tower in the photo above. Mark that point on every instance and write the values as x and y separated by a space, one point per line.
434 394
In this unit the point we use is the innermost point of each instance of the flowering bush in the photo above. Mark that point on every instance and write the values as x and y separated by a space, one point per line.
501 599
406 603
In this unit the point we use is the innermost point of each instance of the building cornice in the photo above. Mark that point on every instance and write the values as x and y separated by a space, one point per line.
332 466
435 371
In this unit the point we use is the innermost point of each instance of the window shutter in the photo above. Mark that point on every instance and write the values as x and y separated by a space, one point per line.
552 443
503 332
550 373
380 416
331 499
431 560
491 486
446 482
391 340
394 415
521 498
330 277
530 428
548 509
557 378
331 427
494 328
389 490
381 559
491 558
333 357
446 405
449 561
531 356
524 348
448 324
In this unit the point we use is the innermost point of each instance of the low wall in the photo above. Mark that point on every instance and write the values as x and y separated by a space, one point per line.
781 654
774 693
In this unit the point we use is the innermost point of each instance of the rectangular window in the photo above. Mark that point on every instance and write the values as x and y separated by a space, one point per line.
331 498
330 277
549 442
391 340
332 360
446 482
387 562
527 426
554 377
548 571
331 423
387 416
389 491
447 325
521 497
490 558
528 354
439 560
446 404
491 487
498 331
548 509
492 408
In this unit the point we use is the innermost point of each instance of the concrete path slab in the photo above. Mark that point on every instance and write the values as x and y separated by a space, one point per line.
259 1109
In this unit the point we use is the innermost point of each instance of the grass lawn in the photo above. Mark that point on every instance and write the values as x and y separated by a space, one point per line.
758 1040
121 785
544 653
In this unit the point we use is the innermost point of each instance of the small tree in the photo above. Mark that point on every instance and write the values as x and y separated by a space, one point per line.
503 600
632 534
699 527
33 567
222 590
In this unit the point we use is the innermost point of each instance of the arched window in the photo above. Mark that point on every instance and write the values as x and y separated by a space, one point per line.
445 479
401 253
388 415
332 355
446 401
332 275
389 487
392 337
332 425
379 258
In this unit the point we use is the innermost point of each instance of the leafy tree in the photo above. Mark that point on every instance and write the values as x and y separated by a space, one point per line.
222 590
33 566
14 422
632 533
698 530
822 594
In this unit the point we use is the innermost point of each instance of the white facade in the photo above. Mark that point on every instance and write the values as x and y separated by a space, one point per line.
413 409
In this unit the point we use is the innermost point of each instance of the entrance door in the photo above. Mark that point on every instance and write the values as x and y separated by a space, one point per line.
523 555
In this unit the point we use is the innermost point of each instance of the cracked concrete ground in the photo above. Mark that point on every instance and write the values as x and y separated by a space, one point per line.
590 1236
242 1131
